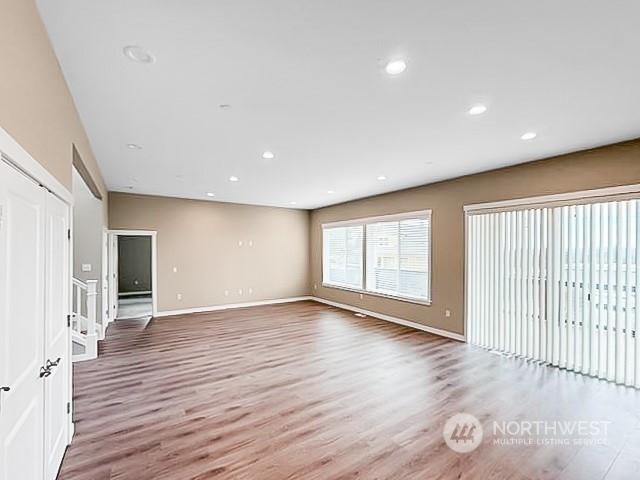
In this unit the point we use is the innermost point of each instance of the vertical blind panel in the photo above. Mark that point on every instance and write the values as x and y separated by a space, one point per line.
397 257
342 257
559 285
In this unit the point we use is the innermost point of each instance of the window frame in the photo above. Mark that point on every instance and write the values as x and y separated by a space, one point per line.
345 285
394 217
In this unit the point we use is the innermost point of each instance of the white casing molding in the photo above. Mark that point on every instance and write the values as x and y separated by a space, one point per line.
22 160
154 265
389 318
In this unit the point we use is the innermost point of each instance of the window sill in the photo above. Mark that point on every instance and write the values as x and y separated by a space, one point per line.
426 303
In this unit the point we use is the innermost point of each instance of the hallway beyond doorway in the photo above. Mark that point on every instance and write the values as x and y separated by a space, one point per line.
130 308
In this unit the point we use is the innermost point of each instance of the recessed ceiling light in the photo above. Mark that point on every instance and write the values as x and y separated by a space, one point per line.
133 146
395 67
268 155
381 177
477 110
138 54
330 192
233 178
210 194
529 136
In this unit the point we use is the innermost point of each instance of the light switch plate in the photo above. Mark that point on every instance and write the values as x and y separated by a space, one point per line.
86 267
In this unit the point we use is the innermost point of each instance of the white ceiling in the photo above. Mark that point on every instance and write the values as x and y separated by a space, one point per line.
305 79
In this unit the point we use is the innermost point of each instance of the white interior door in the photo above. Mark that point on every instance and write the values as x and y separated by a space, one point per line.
113 275
57 338
106 314
22 240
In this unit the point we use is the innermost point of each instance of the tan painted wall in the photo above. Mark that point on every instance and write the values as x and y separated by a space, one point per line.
608 166
36 108
201 238
88 224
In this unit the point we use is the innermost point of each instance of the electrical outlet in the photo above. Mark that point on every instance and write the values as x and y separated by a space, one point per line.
239 291
315 286
251 243
226 293
175 269
250 290
361 296
239 243
179 296
86 267
447 313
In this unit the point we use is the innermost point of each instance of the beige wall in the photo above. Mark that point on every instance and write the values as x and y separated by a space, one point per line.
36 108
201 238
613 165
88 225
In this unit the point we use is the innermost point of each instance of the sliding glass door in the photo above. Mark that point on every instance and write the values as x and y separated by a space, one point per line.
558 284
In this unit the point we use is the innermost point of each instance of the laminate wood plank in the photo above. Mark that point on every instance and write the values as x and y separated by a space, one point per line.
308 391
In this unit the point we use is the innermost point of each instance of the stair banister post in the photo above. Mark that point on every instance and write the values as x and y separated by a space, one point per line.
78 310
92 294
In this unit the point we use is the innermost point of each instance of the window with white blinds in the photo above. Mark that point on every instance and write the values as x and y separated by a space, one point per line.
398 258
388 256
559 285
342 256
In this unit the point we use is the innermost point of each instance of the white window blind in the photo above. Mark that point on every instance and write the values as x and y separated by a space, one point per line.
559 285
342 256
398 258
395 256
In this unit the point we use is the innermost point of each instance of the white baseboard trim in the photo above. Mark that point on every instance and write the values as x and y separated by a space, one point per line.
213 308
388 318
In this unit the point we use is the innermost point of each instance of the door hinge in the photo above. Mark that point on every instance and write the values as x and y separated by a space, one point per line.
68 408
68 320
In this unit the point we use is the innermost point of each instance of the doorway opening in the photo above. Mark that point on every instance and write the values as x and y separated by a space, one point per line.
132 274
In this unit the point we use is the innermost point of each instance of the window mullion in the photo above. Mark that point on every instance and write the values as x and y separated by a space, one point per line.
364 256
398 270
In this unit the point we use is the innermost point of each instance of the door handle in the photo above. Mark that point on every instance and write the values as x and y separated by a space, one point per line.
51 364
5 389
45 371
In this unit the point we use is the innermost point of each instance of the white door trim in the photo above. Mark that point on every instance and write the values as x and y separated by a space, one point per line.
154 261
20 158
106 311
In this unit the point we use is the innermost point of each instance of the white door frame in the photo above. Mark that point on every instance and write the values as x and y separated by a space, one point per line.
21 159
154 263
104 281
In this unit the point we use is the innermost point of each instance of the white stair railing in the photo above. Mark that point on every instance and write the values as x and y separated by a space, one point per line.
84 328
